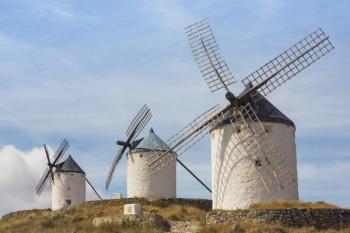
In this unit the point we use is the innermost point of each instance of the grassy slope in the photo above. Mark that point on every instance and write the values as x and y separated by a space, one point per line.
78 218
292 204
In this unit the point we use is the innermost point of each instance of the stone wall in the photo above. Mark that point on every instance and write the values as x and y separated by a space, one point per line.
203 204
289 217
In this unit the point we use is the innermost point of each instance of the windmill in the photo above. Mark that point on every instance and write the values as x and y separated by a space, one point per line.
135 128
67 179
247 138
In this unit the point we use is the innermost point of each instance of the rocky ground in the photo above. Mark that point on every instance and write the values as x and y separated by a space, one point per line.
174 215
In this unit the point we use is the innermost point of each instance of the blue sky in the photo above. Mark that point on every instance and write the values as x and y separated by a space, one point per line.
82 69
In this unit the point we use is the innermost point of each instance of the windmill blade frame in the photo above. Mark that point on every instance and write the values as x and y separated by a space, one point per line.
42 182
257 144
140 126
61 150
185 138
135 128
207 55
143 115
114 166
288 64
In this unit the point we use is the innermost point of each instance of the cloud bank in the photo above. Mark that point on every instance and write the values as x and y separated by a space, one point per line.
20 173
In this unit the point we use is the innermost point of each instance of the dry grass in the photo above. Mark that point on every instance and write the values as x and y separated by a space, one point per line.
178 213
76 219
292 204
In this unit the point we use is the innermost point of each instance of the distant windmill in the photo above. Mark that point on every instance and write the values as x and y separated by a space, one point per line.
135 128
145 184
67 178
237 134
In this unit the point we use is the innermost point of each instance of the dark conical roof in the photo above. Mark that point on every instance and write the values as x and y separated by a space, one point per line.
150 142
69 165
265 111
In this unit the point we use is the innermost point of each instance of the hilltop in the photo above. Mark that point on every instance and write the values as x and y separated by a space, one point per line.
162 215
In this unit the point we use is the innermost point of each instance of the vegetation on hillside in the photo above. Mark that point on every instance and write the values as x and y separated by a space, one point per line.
75 219
292 204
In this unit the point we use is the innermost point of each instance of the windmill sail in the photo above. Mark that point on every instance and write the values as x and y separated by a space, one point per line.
61 150
135 128
185 138
288 64
207 55
257 145
42 182
139 122
57 156
114 166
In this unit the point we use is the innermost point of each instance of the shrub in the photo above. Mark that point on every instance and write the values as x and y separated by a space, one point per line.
47 223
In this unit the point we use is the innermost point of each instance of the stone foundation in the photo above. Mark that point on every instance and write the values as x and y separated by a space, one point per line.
289 217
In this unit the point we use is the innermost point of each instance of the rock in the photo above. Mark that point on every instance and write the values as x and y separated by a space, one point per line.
184 227
317 218
132 209
96 222
152 219
236 228
156 220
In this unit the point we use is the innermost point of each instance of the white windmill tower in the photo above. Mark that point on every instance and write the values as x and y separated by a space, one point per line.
246 167
68 179
141 180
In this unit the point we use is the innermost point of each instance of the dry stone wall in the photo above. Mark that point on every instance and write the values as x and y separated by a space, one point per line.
289 217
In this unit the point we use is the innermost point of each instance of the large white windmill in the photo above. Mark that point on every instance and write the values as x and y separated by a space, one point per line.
67 179
246 166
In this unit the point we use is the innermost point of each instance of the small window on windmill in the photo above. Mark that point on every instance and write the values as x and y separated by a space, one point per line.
71 174
268 129
68 188
141 155
68 202
237 129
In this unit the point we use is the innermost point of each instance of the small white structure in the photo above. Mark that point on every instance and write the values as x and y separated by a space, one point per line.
117 196
68 187
236 183
132 209
141 181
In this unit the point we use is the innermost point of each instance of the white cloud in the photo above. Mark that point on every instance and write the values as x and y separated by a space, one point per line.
20 172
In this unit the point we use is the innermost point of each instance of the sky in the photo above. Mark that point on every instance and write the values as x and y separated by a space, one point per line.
82 69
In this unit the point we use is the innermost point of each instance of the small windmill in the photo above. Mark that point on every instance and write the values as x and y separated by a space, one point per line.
64 185
135 128
251 138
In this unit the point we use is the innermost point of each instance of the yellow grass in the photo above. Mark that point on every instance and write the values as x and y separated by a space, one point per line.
292 204
76 219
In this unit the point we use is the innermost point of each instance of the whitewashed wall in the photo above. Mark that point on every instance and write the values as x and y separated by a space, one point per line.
141 182
68 186
236 183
